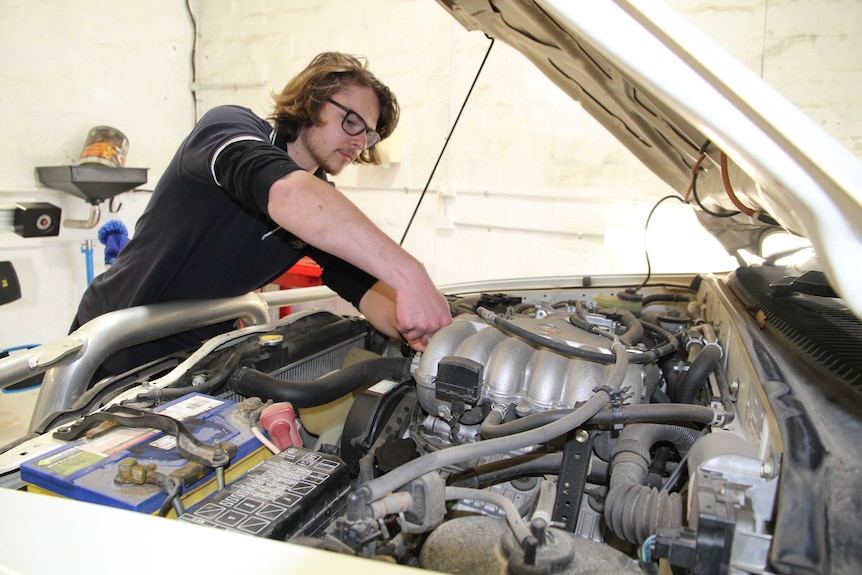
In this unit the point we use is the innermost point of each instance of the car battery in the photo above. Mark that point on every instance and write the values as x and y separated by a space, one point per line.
290 494
87 469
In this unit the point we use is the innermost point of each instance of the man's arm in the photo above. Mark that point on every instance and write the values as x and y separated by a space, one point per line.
319 214
378 306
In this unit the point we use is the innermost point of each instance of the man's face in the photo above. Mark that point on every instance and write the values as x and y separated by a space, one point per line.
329 145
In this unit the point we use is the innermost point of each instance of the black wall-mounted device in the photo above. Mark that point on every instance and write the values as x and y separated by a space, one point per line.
39 219
10 289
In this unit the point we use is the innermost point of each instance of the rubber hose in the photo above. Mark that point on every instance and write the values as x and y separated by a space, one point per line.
366 469
662 297
525 465
633 510
671 344
576 352
250 382
648 413
651 381
634 328
541 341
659 396
692 380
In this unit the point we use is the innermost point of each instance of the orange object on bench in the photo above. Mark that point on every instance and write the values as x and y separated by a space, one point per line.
305 273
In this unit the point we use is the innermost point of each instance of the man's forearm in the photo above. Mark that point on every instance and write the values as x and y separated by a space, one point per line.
319 214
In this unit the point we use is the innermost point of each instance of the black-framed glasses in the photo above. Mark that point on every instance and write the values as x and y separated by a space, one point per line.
354 125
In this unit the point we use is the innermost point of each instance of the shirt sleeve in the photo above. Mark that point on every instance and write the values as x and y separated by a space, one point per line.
246 170
345 279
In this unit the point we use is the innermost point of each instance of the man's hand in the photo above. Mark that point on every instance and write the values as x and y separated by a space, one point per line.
420 313
308 207
419 318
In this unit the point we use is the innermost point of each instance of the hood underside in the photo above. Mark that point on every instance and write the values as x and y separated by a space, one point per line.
683 106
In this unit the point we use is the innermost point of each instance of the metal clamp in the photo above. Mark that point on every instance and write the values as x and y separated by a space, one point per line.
188 446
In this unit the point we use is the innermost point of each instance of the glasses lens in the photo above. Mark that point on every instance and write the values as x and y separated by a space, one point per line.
371 138
353 124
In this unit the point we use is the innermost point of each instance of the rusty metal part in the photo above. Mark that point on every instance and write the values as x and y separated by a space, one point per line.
188 446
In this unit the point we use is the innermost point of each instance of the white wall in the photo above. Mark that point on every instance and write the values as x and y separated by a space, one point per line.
67 67
530 184
524 156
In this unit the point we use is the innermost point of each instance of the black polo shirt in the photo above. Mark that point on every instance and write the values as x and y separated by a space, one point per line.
205 232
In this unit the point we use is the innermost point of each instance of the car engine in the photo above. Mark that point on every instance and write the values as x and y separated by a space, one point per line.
585 428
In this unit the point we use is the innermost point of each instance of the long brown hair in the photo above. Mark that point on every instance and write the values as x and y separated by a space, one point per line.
299 103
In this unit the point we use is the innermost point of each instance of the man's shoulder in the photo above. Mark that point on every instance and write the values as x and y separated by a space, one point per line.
222 125
233 114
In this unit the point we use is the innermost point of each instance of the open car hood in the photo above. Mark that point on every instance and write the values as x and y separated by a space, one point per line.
668 93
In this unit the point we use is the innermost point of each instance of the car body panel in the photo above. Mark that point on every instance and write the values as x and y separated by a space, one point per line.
663 89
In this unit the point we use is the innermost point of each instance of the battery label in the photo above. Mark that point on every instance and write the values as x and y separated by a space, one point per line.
79 457
191 406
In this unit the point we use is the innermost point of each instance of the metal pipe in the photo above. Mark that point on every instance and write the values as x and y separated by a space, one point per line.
87 250
95 214
281 298
101 337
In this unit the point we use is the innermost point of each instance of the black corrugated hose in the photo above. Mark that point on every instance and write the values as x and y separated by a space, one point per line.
633 510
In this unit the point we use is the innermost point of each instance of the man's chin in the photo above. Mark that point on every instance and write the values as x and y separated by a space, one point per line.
335 170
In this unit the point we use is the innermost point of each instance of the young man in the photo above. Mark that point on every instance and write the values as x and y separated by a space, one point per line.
243 200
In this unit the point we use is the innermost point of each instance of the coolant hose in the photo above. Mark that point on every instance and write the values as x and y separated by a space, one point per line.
530 464
251 382
541 341
634 328
576 352
662 297
400 476
671 344
693 379
654 412
633 510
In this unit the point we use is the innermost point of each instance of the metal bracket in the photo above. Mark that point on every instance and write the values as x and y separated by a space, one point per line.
573 477
188 446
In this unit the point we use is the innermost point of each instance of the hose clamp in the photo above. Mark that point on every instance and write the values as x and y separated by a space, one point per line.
719 416
616 400
693 338
717 345
617 412
501 408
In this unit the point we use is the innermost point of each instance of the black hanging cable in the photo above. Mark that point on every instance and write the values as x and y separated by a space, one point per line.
194 55
704 208
446 143
646 226
692 186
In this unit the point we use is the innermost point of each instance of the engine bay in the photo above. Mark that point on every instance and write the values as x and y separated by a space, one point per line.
565 430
